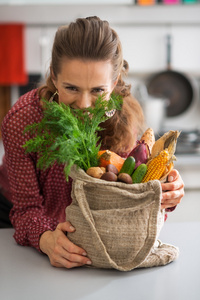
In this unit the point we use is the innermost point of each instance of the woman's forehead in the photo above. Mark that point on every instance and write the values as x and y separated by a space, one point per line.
95 71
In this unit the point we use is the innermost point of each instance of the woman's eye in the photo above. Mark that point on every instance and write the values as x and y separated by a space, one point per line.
71 88
98 90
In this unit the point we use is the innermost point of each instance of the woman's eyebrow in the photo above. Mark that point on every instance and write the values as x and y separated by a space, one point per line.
67 83
99 87
95 87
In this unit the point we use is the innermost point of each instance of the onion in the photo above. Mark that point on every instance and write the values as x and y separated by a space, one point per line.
140 153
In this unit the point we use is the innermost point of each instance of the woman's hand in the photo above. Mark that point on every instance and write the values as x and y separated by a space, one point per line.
60 250
173 190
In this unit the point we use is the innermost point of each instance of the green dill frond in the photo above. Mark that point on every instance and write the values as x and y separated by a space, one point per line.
69 136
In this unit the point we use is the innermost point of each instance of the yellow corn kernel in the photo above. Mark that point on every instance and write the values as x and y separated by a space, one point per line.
157 166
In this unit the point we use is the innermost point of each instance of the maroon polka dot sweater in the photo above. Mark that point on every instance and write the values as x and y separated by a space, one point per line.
39 197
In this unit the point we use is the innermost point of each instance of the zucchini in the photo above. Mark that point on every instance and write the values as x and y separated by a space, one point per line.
139 173
128 166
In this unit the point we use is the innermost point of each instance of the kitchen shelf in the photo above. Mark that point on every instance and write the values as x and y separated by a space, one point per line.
55 14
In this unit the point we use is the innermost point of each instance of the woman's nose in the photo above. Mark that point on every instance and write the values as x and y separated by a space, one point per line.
84 100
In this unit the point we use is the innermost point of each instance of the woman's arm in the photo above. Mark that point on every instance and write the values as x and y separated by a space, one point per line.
173 191
29 215
39 197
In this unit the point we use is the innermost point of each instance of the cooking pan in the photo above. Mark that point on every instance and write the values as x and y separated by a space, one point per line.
171 85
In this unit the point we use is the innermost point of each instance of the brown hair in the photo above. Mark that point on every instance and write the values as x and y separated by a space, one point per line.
93 39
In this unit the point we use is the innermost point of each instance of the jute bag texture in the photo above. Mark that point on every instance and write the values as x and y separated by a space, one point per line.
118 224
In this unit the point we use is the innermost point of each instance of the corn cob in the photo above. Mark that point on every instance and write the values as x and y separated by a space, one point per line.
169 167
149 138
157 166
168 140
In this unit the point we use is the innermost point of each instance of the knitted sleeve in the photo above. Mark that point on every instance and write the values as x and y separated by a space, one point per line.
33 212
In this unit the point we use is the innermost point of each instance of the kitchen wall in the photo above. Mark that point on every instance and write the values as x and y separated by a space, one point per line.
144 46
142 31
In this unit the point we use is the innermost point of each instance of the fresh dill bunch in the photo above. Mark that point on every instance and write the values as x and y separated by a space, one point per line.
69 136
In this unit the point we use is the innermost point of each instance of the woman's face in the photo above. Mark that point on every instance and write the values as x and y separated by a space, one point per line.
80 82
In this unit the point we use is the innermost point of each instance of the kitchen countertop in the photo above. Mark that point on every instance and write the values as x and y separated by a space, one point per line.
27 274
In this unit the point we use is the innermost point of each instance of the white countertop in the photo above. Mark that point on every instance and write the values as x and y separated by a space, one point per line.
27 274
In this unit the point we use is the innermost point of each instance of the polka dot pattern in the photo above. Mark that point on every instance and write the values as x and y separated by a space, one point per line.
39 197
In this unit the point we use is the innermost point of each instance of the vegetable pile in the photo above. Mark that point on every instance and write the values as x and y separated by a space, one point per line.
149 160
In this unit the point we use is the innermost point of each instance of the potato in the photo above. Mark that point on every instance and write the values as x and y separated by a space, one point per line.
109 176
95 172
112 168
103 169
124 177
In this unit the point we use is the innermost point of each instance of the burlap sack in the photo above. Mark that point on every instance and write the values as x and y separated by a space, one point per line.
118 224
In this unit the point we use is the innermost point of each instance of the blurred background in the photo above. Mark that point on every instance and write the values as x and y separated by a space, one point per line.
161 42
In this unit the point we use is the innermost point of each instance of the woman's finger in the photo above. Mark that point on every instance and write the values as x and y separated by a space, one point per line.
66 227
65 252
72 253
173 175
61 256
172 195
171 199
174 183
66 243
64 263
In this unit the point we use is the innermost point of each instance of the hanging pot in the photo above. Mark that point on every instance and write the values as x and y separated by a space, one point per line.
171 85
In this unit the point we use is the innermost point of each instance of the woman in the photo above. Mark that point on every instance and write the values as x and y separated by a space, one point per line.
86 61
